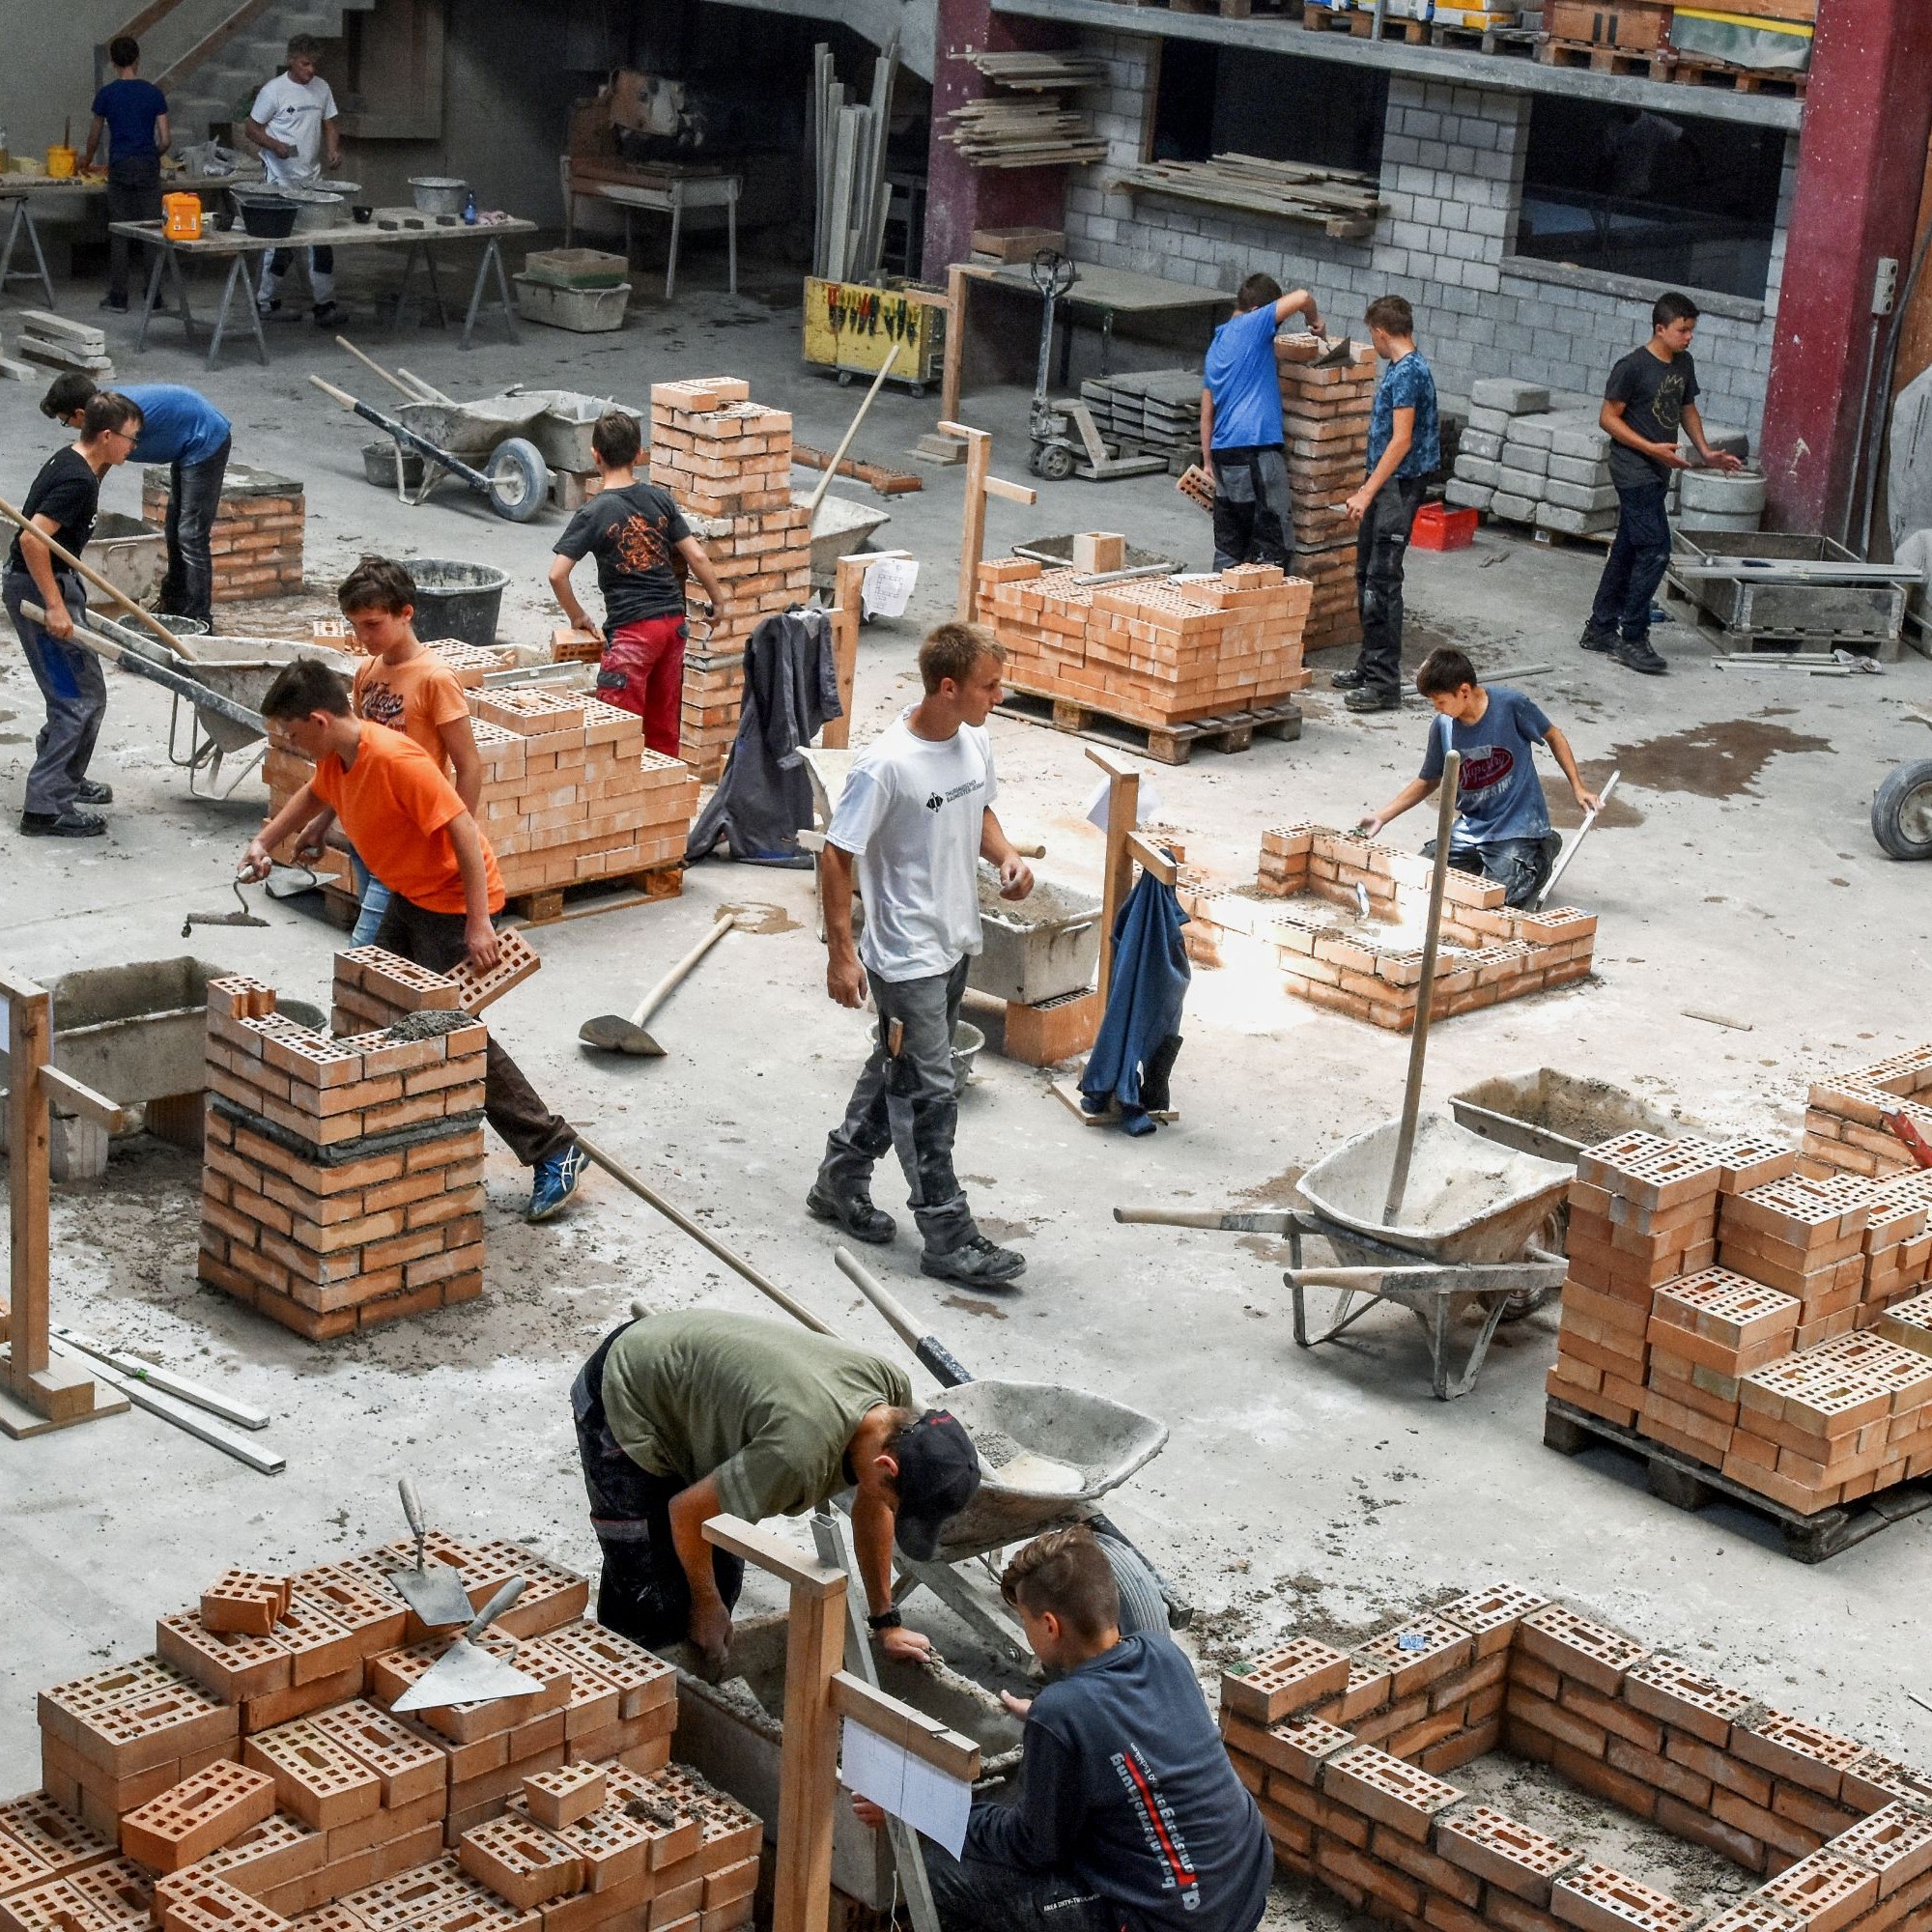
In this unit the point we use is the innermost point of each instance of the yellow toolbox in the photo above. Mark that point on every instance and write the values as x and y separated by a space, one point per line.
852 327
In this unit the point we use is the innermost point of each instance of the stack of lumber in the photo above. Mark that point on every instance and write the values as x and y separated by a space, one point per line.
1340 202
1038 133
1325 417
1039 73
848 162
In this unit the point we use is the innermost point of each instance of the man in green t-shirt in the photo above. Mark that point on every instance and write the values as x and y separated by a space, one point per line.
684 1417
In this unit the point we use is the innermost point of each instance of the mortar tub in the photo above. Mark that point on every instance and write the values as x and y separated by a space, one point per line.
562 432
732 1731
1555 1115
1038 947
839 528
131 554
1467 1200
458 600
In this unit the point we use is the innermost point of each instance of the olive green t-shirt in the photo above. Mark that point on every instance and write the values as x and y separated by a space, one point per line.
763 1407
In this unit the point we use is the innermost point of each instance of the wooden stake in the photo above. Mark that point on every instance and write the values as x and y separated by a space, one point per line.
980 484
847 613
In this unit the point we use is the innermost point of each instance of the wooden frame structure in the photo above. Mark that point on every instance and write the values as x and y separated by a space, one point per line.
981 484
848 590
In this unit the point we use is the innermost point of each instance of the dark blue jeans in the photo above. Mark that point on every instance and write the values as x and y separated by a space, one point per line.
194 501
1382 548
1636 563
978 1896
1520 866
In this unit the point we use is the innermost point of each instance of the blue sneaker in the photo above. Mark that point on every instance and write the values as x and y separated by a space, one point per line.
556 1178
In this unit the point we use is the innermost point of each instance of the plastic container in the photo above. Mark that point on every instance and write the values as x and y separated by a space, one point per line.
267 218
61 162
439 194
458 600
1439 527
182 216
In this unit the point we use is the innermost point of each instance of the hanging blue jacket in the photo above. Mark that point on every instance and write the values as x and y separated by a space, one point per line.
1143 1000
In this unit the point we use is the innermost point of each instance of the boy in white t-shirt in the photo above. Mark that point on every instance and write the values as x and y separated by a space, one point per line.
914 821
293 124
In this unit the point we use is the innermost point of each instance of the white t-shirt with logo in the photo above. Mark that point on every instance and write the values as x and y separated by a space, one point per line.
911 814
287 111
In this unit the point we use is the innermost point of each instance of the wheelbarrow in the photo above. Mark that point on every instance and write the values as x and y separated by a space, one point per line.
1476 1220
446 435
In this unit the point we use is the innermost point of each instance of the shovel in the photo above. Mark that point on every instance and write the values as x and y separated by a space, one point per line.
612 1032
434 1591
464 1674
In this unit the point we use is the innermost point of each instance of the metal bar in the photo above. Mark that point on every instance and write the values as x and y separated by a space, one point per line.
187 1418
1562 865
1794 570
244 1415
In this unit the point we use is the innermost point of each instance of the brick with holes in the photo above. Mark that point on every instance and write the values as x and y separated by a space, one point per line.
1496 1849
197 1816
1293 1677
1580 1647
558 1798
318 1780
1595 1898
520 1861
245 1601
214 1905
1822 1891
1491 1616
1384 1788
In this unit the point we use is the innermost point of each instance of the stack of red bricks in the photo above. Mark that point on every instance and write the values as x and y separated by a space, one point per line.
1326 419
342 1183
727 461
1845 1130
1370 968
250 1778
1155 651
1842 1834
1792 1364
256 542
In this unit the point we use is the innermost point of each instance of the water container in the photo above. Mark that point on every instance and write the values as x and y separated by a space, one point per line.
181 214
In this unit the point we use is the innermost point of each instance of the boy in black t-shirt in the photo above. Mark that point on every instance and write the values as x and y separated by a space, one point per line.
639 538
62 505
1651 393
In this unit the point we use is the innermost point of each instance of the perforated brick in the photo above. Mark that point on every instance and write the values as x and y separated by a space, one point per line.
409 1766
553 1597
1385 1788
1753 1914
1491 1616
228 1665
641 1680
1677 1694
1789 1748
135 1717
665 1807
197 1816
1418 1653
315 1777
1298 1747
20 1866
214 1905
1875 1781
1894 1843
520 1861
1578 1647
59 1840
1498 1850
274 1853
516 961
438 1896
1822 1891
616 1848
1909 1323
371 1612
245 1601
113 1895
1597 1899
561 1797
392 1673
1283 1681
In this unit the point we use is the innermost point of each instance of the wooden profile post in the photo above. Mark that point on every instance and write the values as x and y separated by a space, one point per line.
848 593
981 484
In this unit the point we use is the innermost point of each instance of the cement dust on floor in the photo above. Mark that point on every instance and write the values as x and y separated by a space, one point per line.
1294 1487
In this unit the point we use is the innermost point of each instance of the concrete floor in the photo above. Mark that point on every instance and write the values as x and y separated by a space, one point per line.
1737 875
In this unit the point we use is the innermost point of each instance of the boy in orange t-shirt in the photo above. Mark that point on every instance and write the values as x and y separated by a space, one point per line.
410 689
399 809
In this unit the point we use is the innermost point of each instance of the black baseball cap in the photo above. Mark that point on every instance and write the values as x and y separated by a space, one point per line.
939 1475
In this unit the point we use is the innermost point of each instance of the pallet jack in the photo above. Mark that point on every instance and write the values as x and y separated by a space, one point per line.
1065 441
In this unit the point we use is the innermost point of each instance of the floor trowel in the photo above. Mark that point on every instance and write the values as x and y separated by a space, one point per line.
468 1674
434 1591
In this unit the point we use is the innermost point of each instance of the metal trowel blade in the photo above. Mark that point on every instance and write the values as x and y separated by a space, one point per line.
612 1032
464 1674
436 1593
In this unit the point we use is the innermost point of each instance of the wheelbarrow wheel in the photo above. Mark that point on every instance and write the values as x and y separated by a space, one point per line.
519 480
1901 814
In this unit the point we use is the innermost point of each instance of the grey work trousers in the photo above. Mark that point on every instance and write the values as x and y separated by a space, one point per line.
910 1103
73 687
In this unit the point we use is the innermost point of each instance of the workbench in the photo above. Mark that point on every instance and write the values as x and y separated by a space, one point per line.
413 233
1107 292
666 188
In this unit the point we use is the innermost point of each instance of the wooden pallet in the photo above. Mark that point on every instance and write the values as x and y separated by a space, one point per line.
1362 26
1691 71
621 890
1645 64
1686 1484
1168 744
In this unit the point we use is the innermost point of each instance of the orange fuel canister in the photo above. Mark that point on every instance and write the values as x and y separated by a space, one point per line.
183 214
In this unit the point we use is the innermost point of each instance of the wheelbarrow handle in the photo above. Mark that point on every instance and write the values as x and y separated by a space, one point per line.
181 686
933 1355
405 436
1248 1221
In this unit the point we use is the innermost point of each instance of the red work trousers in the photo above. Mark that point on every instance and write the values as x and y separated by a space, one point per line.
643 672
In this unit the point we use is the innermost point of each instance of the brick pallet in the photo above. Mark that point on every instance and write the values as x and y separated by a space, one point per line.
259 1783
1325 419
728 460
1328 955
256 544
1347 1755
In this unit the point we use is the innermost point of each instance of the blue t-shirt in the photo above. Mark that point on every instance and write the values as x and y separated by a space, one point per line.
130 108
1499 793
1241 375
178 425
1407 384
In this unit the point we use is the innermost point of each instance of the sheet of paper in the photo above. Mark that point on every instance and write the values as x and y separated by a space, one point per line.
1149 804
906 1786
889 586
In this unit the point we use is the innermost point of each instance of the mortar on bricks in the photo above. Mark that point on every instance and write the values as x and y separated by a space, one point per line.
1038 947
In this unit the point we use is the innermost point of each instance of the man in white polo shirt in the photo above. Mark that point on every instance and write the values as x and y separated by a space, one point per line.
293 127
914 821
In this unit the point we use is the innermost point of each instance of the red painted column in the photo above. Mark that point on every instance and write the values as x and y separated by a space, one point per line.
960 197
1861 156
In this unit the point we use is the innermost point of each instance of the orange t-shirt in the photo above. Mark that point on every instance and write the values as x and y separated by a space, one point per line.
396 807
416 698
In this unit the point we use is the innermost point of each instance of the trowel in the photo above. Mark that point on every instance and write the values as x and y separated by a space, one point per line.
612 1032
434 1591
242 918
464 1673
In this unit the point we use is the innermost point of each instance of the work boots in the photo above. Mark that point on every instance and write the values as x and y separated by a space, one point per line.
975 1263
854 1212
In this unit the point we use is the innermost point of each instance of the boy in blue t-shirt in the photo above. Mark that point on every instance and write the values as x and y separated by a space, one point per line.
1502 824
134 114
1241 429
1405 449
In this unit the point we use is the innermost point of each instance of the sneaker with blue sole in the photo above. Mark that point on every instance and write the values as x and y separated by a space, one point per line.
556 1178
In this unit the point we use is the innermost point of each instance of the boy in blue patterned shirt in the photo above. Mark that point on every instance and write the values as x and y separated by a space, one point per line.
1405 448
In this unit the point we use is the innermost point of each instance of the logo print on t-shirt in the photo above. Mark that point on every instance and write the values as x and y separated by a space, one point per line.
1486 765
934 803
383 706
639 545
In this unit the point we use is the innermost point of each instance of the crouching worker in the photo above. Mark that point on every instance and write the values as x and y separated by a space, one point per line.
1129 1817
1502 824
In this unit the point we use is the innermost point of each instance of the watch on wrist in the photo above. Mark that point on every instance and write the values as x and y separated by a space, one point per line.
886 1620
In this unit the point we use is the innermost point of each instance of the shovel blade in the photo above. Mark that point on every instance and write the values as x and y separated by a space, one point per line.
464 1674
436 1593
612 1032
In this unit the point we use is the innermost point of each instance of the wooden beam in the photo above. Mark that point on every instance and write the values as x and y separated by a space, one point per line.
28 1012
973 533
64 1091
926 1738
953 364
791 1566
1151 859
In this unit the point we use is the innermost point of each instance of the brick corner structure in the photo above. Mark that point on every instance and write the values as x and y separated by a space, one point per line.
258 1782
1349 1755
1302 918
1325 421
256 545
727 461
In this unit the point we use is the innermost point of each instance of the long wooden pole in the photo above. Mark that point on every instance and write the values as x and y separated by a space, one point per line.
89 575
817 496
29 1014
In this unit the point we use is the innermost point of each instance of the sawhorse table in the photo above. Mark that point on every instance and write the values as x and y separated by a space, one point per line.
662 191
21 223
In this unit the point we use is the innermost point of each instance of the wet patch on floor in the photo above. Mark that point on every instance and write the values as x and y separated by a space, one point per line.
1566 815
1721 760
761 920
969 1304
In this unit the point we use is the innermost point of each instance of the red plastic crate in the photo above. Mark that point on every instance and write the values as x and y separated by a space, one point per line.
1439 527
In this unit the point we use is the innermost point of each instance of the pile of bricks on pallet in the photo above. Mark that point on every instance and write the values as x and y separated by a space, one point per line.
256 543
1326 419
728 459
1345 1753
1765 1323
249 1777
571 792
1845 1130
1155 651
342 1180
1370 968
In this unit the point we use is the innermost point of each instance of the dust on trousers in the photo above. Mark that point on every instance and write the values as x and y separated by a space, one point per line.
1253 511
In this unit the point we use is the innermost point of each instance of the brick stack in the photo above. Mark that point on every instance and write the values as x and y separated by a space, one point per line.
1370 968
256 1781
1842 1835
728 459
1325 419
1845 1129
1707 1332
256 544
342 1183
1155 651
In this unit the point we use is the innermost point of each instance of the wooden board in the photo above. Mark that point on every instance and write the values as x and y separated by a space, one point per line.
1339 201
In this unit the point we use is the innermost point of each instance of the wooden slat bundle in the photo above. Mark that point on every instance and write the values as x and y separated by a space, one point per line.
848 150
1022 134
1342 203
1030 72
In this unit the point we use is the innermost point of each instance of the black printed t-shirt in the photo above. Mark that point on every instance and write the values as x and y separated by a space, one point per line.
632 533
1654 395
68 490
